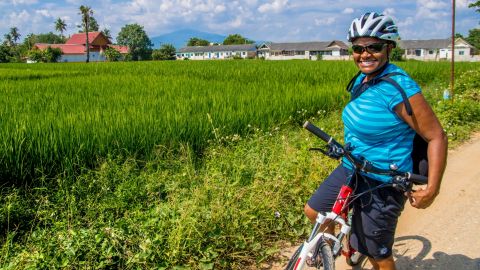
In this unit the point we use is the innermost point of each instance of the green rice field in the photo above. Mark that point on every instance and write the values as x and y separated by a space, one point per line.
58 118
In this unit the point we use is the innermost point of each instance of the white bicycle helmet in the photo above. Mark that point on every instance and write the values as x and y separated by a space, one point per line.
372 24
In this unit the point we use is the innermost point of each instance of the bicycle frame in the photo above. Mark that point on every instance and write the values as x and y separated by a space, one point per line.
339 215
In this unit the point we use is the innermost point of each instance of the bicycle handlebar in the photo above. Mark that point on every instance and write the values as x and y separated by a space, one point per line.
319 133
362 164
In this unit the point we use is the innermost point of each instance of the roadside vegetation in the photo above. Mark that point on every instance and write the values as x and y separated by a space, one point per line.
175 165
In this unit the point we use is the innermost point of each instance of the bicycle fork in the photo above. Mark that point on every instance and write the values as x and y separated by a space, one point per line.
310 247
310 250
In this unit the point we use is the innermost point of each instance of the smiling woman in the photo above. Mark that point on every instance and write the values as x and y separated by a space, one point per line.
380 123
370 55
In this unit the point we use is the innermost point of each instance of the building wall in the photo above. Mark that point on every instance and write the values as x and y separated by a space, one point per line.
94 57
461 54
310 55
215 55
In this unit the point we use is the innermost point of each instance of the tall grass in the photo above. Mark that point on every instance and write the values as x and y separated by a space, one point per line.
59 118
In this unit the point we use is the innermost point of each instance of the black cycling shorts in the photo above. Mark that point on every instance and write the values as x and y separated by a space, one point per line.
375 214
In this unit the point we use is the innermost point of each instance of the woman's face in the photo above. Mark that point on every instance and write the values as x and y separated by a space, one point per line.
370 54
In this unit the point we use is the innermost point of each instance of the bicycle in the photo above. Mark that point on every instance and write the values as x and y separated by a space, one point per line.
321 248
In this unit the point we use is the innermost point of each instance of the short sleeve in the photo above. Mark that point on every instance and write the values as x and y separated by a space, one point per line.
409 86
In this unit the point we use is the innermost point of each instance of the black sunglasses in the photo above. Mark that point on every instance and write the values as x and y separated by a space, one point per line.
371 48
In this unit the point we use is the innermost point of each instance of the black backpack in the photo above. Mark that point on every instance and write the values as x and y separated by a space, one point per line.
419 151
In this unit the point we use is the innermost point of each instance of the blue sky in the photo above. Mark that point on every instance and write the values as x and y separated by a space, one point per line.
272 20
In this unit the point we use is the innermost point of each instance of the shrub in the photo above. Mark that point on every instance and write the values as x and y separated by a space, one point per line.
112 55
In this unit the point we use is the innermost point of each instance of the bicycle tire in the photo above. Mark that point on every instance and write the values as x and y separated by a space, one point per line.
327 257
356 259
294 258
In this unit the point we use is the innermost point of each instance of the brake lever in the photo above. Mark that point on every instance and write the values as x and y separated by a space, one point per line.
402 184
331 152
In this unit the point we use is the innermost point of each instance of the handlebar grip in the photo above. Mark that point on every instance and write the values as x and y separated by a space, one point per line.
418 179
318 132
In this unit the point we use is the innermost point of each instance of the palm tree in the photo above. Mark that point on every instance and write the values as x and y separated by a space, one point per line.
8 39
14 34
107 34
60 26
86 12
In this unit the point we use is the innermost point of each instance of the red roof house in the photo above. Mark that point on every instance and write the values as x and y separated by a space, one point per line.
75 50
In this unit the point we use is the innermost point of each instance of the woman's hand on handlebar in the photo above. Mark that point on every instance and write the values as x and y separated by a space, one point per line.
421 198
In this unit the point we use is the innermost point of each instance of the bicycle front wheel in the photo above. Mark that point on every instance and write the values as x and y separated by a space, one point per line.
293 260
327 256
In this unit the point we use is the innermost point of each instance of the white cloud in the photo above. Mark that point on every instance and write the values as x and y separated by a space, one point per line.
389 12
237 22
220 8
24 2
166 5
275 6
405 23
431 9
325 21
432 4
43 12
348 11
462 4
19 18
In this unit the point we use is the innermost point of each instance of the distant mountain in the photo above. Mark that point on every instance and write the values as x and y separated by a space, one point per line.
180 38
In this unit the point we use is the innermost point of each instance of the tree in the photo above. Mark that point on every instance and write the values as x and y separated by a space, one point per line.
8 40
29 41
35 55
49 38
236 39
194 41
92 25
397 54
15 35
112 55
474 37
49 55
107 33
86 13
475 5
60 26
166 52
5 53
139 44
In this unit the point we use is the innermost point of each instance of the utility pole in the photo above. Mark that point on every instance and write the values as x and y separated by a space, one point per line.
452 74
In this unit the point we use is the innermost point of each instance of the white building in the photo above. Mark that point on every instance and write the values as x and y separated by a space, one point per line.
217 52
438 49
328 50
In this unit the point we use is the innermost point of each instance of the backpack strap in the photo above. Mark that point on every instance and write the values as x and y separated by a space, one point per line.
387 78
352 81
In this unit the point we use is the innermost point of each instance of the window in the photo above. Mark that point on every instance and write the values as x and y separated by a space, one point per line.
430 52
299 52
244 53
461 52
418 52
288 53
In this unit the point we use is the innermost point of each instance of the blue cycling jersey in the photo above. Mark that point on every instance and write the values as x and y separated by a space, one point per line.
374 130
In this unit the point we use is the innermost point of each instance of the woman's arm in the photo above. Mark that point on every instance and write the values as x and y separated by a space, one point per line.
426 124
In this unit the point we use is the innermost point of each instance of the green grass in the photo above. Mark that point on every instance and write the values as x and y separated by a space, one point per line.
60 118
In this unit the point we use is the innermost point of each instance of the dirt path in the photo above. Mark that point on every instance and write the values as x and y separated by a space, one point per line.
447 234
